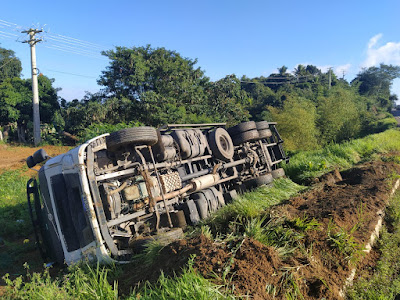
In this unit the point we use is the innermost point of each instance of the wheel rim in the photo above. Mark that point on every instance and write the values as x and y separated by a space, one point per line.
224 143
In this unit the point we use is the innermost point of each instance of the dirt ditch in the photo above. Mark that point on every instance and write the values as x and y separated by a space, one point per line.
344 205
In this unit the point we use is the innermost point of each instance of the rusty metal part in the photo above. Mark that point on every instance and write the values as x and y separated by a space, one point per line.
159 184
153 202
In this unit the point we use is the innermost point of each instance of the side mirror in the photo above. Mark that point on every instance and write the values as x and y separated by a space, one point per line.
39 156
30 162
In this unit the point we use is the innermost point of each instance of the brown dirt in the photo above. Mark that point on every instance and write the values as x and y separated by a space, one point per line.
348 200
13 157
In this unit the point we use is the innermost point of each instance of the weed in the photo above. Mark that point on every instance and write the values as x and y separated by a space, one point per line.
289 284
81 282
190 285
150 253
342 240
304 224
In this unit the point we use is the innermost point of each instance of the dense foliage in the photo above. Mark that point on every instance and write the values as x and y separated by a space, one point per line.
154 86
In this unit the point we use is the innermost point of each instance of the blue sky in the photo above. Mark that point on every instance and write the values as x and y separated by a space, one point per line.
251 38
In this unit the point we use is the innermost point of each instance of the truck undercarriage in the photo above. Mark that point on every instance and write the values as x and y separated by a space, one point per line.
107 198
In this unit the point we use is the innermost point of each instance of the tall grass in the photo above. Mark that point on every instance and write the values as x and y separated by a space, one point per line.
189 285
306 165
85 282
14 216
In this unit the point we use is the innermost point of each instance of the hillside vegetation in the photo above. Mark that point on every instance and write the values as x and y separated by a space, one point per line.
154 86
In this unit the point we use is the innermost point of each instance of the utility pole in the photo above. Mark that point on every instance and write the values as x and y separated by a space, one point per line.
329 78
35 100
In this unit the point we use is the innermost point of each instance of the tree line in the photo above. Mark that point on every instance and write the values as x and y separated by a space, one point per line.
154 86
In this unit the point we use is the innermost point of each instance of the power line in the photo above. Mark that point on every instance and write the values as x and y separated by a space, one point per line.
74 44
59 48
7 33
77 49
80 75
77 41
8 23
3 65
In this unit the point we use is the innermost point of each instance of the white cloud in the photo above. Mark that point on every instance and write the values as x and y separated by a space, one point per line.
387 54
343 69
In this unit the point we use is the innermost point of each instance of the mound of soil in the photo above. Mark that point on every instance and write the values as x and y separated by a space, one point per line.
340 202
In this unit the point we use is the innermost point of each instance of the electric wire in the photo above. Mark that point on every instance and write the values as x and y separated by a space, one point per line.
59 48
67 73
11 59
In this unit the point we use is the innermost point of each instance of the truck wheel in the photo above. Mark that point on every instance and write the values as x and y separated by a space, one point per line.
264 133
245 137
221 144
278 173
262 125
242 127
135 135
258 181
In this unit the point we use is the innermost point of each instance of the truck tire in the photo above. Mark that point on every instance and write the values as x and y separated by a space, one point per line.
135 136
264 133
278 173
246 136
242 127
262 125
221 144
258 181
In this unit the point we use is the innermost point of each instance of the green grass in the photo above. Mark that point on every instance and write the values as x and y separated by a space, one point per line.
81 282
385 282
14 215
189 285
306 165
252 204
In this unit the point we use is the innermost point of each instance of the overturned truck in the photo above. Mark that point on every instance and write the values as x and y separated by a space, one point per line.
109 196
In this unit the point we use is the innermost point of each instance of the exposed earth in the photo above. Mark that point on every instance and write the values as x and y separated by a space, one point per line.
12 158
339 202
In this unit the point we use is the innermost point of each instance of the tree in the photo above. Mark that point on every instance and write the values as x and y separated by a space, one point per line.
376 82
148 76
10 65
16 102
297 123
282 70
339 115
227 102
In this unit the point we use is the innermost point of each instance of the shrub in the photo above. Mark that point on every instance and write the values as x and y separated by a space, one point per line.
296 124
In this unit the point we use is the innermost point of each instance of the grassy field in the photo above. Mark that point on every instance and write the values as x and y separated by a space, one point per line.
306 165
97 282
